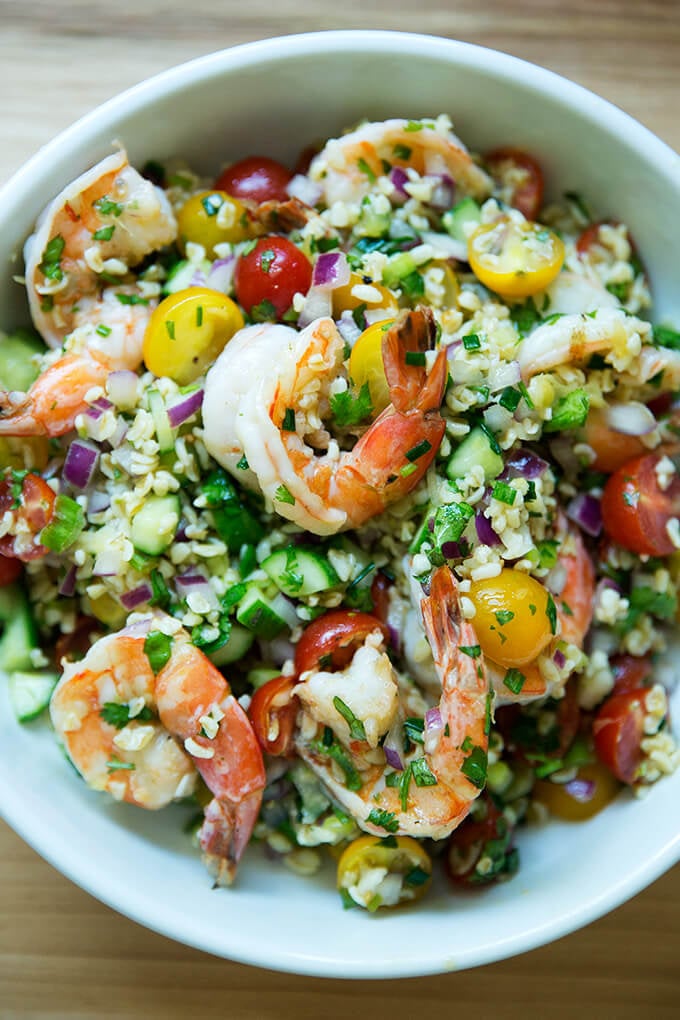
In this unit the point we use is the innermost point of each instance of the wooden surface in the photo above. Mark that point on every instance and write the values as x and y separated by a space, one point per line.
62 954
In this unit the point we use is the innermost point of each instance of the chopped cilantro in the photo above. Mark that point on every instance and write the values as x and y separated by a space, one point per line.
365 169
108 208
386 820
421 773
510 398
413 125
263 312
349 408
104 233
570 412
416 876
283 495
402 151
119 715
266 258
356 727
474 767
132 299
288 423
389 842
504 493
666 337
551 613
242 464
474 651
413 284
50 266
514 680
504 616
416 358
211 204
157 648
340 756
413 730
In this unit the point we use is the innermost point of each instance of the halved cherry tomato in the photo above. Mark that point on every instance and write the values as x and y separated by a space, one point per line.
630 672
210 218
272 712
618 729
590 237
256 178
485 833
331 640
522 175
612 449
187 331
515 259
636 511
269 276
31 501
398 855
345 301
10 569
592 789
380 595
511 620
366 365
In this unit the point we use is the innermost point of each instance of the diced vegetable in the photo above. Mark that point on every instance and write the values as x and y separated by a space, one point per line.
299 572
17 360
475 450
30 693
460 221
19 636
153 527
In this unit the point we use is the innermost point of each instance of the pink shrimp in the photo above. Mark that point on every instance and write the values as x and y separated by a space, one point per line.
244 410
436 782
142 738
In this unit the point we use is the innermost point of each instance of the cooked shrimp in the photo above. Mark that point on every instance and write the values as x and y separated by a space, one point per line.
65 260
266 371
574 338
347 167
142 737
572 293
439 780
102 223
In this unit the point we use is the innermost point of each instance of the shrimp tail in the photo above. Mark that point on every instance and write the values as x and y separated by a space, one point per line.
55 399
411 386
225 833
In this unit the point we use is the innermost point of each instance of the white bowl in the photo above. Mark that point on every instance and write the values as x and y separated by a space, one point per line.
274 97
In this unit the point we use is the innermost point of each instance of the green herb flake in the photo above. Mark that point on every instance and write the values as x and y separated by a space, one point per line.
474 767
50 266
510 398
525 393
211 204
416 358
418 450
347 902
504 493
104 233
351 408
422 774
664 336
404 784
514 680
108 208
324 244
356 727
450 521
242 464
413 284
132 299
266 258
414 125
170 328
551 613
103 330
474 651
471 342
283 495
263 312
365 169
416 877
161 592
392 779
199 316
493 442
115 765
341 757
119 715
288 423
504 616
414 729
402 152
157 648
570 412
386 820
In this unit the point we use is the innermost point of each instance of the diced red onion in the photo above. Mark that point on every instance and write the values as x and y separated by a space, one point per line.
318 305
584 510
137 597
443 192
393 758
94 413
348 329
433 720
331 270
186 407
306 191
559 659
221 274
631 419
98 501
102 404
81 462
399 178
581 790
451 550
68 585
525 464
395 637
121 387
502 374
196 584
485 533
119 433
199 278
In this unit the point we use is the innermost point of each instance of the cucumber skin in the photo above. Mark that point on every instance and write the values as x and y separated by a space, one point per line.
308 563
144 529
19 637
474 450
27 707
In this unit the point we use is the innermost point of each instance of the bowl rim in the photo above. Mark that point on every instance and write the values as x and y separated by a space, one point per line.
606 115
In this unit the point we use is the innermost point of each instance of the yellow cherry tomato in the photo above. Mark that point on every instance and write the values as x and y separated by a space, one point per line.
108 610
593 788
513 259
345 301
385 856
366 364
210 218
187 331
514 617
24 453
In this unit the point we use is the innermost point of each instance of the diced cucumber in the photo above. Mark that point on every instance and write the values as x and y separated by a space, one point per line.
240 640
153 527
424 532
17 365
19 636
475 450
181 275
30 693
257 613
164 432
297 571
397 268
464 217
372 223
260 676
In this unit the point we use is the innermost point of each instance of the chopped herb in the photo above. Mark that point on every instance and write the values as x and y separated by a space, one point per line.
525 393
510 398
356 727
104 233
525 317
154 172
404 784
504 493
132 299
47 303
202 637
389 842
421 773
211 204
157 648
365 169
341 757
263 312
327 738
249 246
532 609
413 284
666 337
384 819
199 315
570 412
50 266
474 767
324 244
474 651
487 712
266 258
170 328
414 125
288 423
644 599
416 876
467 744
471 342
161 592
418 450
413 730
531 492
551 613
402 151
359 316
115 765
504 616
553 318
242 464
283 495
514 680
108 208
416 358
347 902
547 553
450 522
103 330
619 290
349 408
392 779
247 561
577 200
119 715
493 442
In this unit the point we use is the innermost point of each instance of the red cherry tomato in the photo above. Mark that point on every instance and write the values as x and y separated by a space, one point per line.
257 178
305 158
527 193
10 569
591 236
618 729
489 836
380 595
635 510
332 639
31 501
630 672
272 712
268 277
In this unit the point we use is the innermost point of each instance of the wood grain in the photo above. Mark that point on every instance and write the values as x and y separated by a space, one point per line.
62 954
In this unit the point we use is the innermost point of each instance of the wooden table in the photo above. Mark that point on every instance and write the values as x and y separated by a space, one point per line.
62 954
